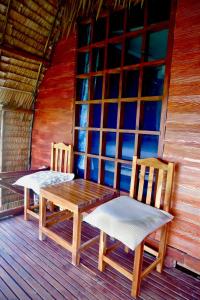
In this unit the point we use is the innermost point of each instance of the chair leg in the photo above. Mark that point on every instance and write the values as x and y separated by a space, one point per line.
137 271
102 250
26 203
162 247
126 249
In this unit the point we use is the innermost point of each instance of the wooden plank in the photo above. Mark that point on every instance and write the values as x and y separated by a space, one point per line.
141 182
159 188
150 185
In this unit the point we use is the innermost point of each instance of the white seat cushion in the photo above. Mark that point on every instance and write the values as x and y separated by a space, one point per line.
41 179
127 220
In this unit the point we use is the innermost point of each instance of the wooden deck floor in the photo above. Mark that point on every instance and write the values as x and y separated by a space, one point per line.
30 269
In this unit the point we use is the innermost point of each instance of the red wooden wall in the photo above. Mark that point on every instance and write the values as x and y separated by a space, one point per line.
54 106
182 138
54 113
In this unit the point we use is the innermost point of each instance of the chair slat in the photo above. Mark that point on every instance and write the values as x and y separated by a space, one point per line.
150 185
65 161
159 188
168 188
52 156
56 160
133 177
60 160
141 183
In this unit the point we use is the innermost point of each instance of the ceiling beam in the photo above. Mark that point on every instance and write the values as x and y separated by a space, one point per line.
24 54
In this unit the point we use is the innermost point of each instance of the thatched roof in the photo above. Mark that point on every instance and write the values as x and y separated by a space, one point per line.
28 31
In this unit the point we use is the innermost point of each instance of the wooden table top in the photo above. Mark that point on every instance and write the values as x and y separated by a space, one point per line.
79 193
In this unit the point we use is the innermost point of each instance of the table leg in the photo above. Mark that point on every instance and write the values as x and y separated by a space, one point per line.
42 217
76 238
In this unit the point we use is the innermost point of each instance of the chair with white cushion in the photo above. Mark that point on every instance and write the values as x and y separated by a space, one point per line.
60 171
130 219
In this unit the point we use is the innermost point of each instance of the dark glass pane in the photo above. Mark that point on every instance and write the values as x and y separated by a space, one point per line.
82 89
158 11
114 55
116 24
130 84
124 177
80 143
127 142
83 63
84 35
99 30
81 115
153 79
110 144
94 142
97 59
151 115
108 173
93 169
97 87
133 52
110 115
157 45
149 146
79 165
112 90
95 115
135 18
128 115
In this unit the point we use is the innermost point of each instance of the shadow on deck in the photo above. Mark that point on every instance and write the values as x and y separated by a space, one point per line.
31 269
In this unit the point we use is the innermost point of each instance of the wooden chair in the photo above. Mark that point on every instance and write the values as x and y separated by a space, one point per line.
160 175
61 161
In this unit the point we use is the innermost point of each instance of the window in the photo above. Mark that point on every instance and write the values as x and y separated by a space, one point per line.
120 91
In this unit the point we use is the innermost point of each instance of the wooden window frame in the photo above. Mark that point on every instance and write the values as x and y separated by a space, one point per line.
167 62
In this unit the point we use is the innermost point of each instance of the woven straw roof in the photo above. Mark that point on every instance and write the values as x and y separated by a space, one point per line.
28 31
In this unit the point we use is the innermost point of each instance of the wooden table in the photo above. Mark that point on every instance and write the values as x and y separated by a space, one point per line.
75 197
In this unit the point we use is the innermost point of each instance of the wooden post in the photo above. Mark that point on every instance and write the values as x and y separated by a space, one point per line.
26 203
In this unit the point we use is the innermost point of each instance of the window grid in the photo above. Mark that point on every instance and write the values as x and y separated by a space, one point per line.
138 133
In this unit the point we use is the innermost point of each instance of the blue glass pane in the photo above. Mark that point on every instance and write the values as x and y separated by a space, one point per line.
116 24
99 30
112 86
151 115
93 167
133 52
94 142
111 115
124 177
114 55
157 45
79 165
110 146
149 146
81 141
97 87
158 11
81 115
97 59
153 79
128 115
127 146
109 167
135 17
130 84
82 89
95 115
83 63
84 35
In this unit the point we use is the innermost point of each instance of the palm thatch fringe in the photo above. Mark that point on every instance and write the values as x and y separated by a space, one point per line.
75 8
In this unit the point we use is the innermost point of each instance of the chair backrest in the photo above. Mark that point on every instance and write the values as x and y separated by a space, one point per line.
61 157
151 182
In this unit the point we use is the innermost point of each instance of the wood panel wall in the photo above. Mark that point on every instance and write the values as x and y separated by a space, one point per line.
182 137
54 106
54 113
